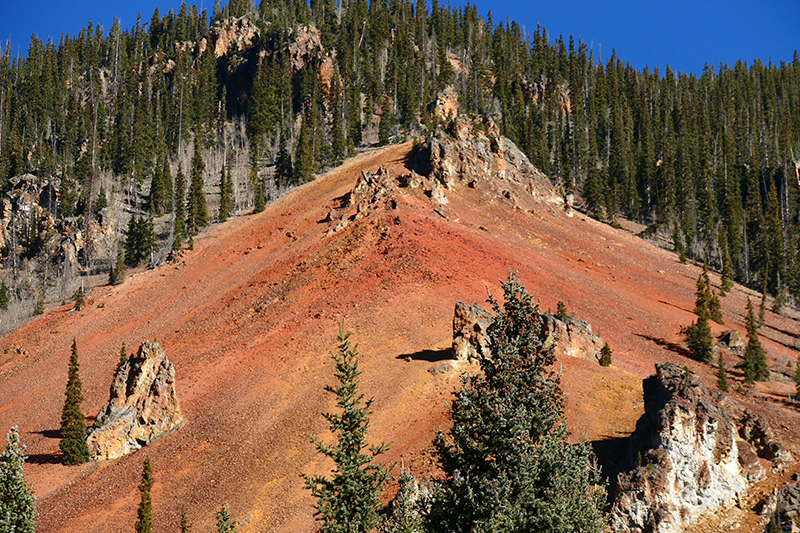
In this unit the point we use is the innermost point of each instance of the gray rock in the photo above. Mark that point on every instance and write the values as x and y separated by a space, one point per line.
572 337
143 405
470 327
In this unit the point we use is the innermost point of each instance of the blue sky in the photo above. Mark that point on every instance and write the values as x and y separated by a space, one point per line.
687 34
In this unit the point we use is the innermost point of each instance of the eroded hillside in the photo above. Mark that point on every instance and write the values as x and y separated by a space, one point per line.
249 316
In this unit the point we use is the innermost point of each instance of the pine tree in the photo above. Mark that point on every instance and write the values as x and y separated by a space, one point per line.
797 378
225 524
4 296
196 205
185 526
140 240
225 194
17 503
605 355
755 358
698 334
283 164
507 459
144 520
349 500
179 228
722 375
117 274
73 427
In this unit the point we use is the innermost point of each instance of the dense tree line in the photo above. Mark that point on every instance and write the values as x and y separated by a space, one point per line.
710 159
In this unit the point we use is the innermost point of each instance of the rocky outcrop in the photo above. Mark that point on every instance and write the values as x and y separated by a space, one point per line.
757 431
732 340
143 406
689 460
783 509
568 336
233 35
572 337
470 328
470 152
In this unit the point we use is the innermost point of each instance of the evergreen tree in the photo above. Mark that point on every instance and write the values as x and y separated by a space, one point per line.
17 503
605 355
140 240
755 358
284 174
507 461
4 296
406 514
225 194
123 357
698 334
144 520
386 123
179 227
797 378
196 205
73 427
225 524
117 274
185 527
722 375
349 500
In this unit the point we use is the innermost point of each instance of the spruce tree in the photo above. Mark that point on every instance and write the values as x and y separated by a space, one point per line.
185 526
698 334
283 164
225 524
196 205
605 355
179 227
144 520
722 375
507 461
17 503
117 274
755 358
225 194
73 427
797 378
349 500
4 296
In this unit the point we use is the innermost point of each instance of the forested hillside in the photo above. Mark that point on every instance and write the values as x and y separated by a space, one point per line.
156 118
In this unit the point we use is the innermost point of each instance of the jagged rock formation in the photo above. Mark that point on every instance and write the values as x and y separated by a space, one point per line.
757 431
143 406
572 337
468 152
689 460
470 328
233 35
783 509
569 336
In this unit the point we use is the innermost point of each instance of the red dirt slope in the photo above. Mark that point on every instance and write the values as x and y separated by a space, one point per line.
250 315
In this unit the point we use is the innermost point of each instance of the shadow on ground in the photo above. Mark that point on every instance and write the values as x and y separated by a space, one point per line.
431 356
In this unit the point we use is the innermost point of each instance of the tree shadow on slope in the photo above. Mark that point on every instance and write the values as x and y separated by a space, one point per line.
44 459
671 346
431 356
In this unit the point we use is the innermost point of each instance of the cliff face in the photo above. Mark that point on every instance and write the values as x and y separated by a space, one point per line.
689 459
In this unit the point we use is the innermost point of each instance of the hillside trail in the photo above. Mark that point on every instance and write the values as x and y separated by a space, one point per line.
250 315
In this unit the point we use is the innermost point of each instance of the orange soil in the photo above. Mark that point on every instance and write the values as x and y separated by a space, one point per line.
250 315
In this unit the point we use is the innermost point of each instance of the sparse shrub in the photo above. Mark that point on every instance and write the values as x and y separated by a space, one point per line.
561 310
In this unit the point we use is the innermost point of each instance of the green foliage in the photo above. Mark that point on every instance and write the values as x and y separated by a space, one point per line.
700 340
605 355
117 273
225 194
140 240
348 501
185 526
5 298
561 310
144 516
196 205
755 358
123 357
17 503
179 227
722 375
79 296
39 307
407 512
284 174
797 378
507 461
73 426
707 304
225 524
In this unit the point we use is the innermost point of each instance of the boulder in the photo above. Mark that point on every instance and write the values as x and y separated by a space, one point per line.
785 510
732 340
142 408
757 431
572 337
686 455
470 328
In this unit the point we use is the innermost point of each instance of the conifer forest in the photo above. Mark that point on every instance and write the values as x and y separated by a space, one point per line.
190 117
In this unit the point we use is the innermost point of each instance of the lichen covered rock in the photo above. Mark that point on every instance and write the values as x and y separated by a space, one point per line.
142 408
